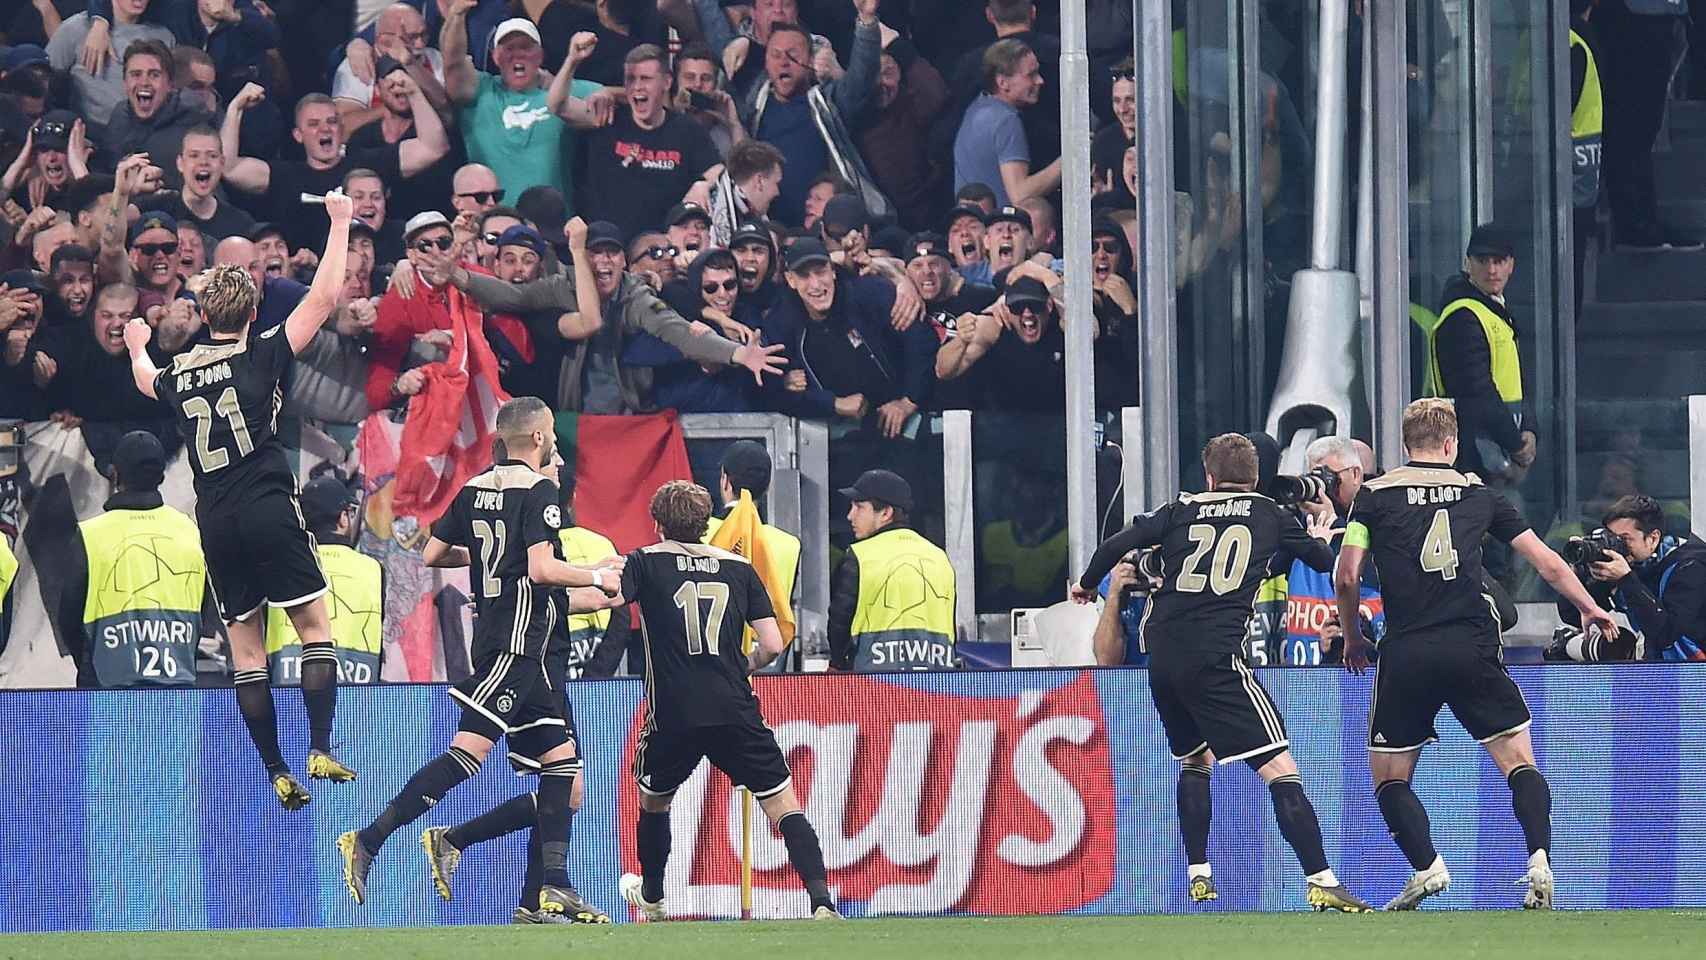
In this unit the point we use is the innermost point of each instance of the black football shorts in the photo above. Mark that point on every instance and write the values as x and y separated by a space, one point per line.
747 752
1416 675
1213 701
259 552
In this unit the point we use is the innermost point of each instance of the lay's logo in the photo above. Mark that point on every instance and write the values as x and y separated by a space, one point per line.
925 803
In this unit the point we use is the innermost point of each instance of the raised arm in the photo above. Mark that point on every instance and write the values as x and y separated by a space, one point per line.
142 368
1556 572
322 297
430 143
112 263
461 80
557 99
856 89
545 569
245 173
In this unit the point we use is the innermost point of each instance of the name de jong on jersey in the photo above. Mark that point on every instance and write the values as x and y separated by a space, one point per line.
498 516
695 602
225 396
1422 525
1216 549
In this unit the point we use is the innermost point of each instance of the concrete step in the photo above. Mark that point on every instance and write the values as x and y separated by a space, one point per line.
1637 370
1655 326
1681 170
1686 119
1684 208
1672 276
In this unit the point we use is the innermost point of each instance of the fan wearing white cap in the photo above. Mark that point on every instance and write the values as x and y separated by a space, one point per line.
505 121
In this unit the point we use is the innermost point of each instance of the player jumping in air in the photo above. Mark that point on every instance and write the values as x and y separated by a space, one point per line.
1424 522
1215 549
503 526
225 395
695 601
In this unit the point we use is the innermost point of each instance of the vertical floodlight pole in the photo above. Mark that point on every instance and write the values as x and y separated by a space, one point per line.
1080 323
1391 211
1157 322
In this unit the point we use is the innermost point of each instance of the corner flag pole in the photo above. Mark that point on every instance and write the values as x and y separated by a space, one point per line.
746 826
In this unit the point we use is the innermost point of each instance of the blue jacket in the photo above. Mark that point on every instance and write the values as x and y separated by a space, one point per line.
862 307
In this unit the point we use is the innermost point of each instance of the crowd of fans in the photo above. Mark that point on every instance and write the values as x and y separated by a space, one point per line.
839 209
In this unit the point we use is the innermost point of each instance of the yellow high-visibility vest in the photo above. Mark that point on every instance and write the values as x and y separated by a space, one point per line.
904 619
355 606
1506 361
8 568
1587 124
142 611
585 548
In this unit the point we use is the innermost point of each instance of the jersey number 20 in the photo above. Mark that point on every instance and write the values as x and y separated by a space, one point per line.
1226 569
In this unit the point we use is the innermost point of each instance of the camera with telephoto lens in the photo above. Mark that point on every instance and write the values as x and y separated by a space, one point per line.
1581 552
1149 570
1320 483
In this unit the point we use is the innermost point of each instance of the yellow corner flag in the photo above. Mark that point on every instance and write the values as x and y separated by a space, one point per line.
742 533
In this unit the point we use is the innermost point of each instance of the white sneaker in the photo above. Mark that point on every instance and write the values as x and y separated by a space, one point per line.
827 913
1539 880
1422 885
631 885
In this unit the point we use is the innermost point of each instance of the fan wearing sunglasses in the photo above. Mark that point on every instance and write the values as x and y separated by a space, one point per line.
154 258
416 323
708 294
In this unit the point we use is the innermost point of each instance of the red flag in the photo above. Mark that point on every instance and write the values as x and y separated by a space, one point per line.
447 435
617 463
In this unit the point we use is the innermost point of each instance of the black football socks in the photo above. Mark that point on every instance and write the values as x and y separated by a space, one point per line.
1407 819
556 782
1196 810
806 854
1297 823
320 692
254 701
651 841
429 784
1532 800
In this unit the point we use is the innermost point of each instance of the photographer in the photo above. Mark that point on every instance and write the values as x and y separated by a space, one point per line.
1657 579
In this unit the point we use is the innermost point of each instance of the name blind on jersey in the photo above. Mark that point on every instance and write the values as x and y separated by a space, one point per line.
203 376
696 564
1230 508
1421 496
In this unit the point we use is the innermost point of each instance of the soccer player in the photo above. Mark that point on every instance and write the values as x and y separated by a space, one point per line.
226 395
1215 549
1424 522
503 526
445 846
695 602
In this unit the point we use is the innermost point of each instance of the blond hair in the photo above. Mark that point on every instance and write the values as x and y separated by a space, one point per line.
227 296
682 510
1231 458
1428 423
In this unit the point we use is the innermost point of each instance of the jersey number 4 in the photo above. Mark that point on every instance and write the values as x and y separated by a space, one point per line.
1226 569
199 410
702 638
1438 555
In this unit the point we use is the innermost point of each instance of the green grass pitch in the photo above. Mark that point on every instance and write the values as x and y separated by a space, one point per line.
1647 935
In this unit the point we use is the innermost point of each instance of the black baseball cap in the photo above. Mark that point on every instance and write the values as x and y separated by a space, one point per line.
139 461
385 66
926 245
265 228
964 210
890 238
522 235
358 225
324 499
844 212
25 279
749 232
603 233
1011 214
153 219
686 211
881 486
747 465
1490 240
53 130
1026 290
806 251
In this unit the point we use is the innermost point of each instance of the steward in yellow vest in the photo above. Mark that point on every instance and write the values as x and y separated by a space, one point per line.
746 466
132 606
355 593
588 631
891 602
1474 358
1587 122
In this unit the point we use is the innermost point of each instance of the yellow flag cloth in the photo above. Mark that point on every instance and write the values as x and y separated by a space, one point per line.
742 534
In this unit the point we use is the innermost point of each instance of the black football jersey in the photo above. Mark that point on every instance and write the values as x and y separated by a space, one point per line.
1422 525
498 516
695 602
1215 550
225 396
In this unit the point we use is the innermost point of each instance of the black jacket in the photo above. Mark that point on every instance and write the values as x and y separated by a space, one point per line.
1679 615
1466 376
